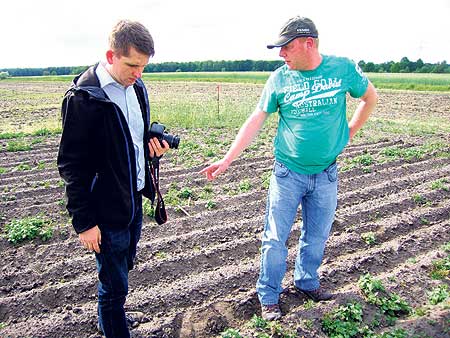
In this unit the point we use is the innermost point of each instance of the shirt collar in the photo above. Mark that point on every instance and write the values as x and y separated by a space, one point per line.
104 77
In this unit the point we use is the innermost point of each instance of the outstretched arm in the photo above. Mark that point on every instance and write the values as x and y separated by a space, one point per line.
246 135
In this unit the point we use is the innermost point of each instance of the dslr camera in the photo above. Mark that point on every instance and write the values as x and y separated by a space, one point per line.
158 130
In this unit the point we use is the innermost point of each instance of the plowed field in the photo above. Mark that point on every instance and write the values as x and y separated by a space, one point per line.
195 275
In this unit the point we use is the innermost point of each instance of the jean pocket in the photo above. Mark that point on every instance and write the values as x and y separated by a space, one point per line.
280 170
332 172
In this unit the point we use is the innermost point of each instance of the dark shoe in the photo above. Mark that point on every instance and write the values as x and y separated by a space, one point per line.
134 318
270 312
316 295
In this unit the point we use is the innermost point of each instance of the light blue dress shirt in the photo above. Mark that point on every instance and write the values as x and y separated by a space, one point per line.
126 99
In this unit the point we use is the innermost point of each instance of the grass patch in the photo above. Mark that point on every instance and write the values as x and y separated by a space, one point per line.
407 127
401 81
411 81
13 146
221 77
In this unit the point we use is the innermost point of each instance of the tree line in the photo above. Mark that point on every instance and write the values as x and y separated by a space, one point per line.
403 66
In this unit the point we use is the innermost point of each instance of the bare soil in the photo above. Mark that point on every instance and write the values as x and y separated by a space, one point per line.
195 275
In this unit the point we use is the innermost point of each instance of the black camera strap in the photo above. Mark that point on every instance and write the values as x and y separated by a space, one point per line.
160 211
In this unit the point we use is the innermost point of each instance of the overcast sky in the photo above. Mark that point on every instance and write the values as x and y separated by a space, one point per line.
42 33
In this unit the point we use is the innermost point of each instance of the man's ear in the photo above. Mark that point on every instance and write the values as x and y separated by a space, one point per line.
109 56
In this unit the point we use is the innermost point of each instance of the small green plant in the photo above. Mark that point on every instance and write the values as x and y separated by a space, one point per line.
446 247
439 184
147 208
40 165
161 255
364 160
2 325
438 294
391 304
396 333
185 193
231 333
258 322
420 311
369 238
3 170
210 205
36 141
268 329
28 228
23 167
171 196
411 260
266 179
245 185
343 321
419 199
441 268
308 323
207 192
309 304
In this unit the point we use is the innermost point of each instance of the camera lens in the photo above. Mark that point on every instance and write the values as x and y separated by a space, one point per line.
172 140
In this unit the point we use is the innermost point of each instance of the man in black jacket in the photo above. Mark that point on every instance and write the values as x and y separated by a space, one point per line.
103 159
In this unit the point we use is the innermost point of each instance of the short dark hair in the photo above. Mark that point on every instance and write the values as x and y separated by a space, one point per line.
126 34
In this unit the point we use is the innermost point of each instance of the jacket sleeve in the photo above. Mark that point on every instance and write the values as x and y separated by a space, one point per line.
75 160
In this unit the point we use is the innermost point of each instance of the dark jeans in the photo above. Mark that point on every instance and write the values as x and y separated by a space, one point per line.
117 252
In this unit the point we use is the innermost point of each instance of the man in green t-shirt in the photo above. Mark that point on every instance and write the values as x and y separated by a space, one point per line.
309 93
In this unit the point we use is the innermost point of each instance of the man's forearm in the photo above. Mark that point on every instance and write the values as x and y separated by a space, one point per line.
246 135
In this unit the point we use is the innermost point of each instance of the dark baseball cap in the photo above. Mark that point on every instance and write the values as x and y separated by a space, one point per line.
295 28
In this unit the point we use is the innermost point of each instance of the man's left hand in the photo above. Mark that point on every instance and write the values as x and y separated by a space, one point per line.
156 149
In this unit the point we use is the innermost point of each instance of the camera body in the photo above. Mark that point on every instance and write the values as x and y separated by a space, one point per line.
158 130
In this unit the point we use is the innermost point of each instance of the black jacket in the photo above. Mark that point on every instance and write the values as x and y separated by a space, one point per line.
96 155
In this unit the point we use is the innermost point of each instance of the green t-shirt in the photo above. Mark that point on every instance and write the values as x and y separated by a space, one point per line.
312 129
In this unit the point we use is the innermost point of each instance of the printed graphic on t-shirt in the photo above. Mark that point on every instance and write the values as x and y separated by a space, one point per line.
312 96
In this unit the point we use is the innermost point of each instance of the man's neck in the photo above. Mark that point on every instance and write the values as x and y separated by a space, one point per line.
110 71
314 62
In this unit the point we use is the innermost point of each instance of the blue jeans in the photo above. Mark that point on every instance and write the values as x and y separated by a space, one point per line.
117 252
317 195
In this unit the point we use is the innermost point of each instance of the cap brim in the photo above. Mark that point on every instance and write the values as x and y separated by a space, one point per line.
281 42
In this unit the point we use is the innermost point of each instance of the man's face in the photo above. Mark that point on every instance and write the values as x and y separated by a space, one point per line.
295 53
127 69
